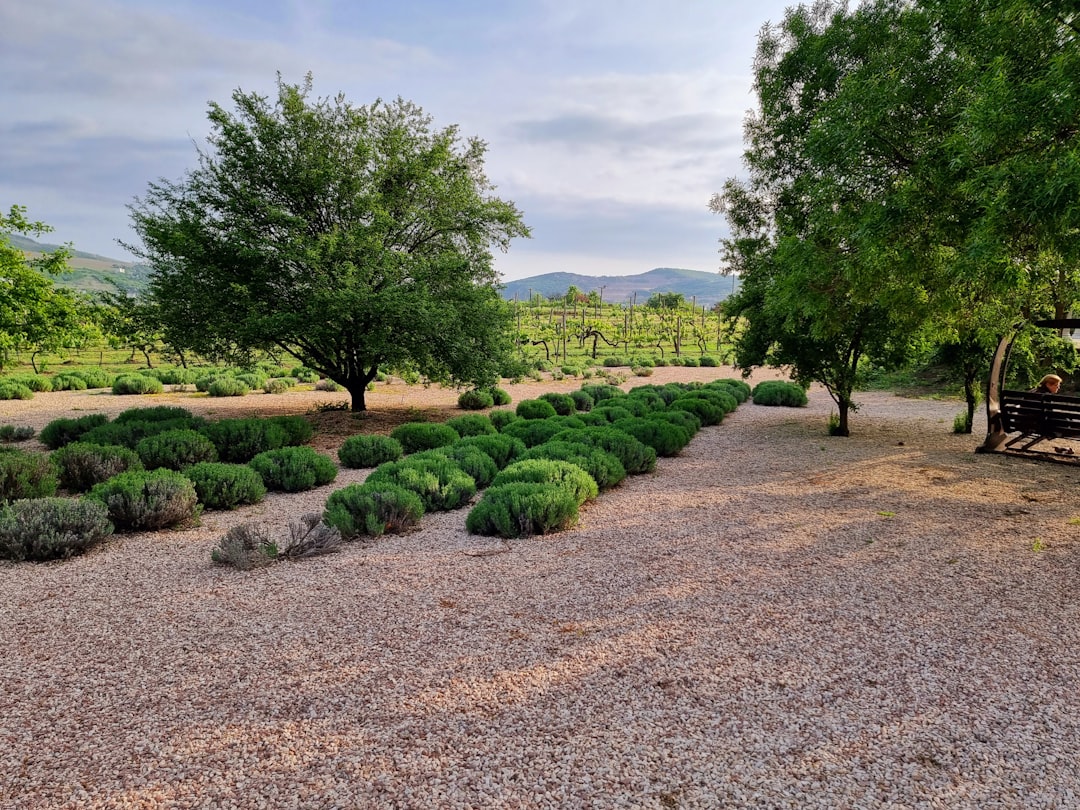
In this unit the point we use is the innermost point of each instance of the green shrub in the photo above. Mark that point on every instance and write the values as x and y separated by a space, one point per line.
225 486
68 381
472 424
136 384
602 391
175 449
203 383
660 362
146 501
522 509
475 400
277 385
582 401
690 362
228 387
96 377
676 361
501 419
79 465
38 383
65 430
473 461
710 413
16 433
635 456
614 362
174 375
532 432
571 371
304 374
778 392
612 413
10 390
739 389
501 448
155 413
373 508
664 437
562 403
26 475
417 436
647 397
130 433
720 396
294 469
251 379
683 419
440 482
500 396
240 440
51 528
298 430
359 452
603 466
708 362
550 471
535 409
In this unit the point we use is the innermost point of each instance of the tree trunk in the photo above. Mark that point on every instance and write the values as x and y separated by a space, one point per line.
843 406
971 398
356 391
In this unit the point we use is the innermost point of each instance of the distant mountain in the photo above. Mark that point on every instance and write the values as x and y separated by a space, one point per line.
89 271
694 285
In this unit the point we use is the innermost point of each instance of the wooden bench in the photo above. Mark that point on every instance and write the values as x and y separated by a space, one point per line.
1037 418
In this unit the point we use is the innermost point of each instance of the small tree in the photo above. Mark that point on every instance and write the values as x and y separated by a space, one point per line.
352 238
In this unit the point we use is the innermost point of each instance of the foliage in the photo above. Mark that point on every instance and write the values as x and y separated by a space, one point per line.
66 430
240 440
535 409
471 425
228 387
604 467
550 471
439 481
475 400
298 430
501 419
532 432
129 433
51 528
154 413
358 452
665 438
146 501
473 461
373 508
26 475
522 509
79 466
601 392
636 457
294 469
136 384
779 392
417 436
175 449
10 390
582 401
708 412
352 238
220 485
562 403
501 448
16 433
277 385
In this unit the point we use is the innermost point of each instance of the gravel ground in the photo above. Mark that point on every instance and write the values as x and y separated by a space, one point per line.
775 618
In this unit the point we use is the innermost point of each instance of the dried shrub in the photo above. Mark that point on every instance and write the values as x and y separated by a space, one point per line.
277 385
417 436
151 500
240 440
522 509
326 384
136 384
219 485
475 400
778 392
175 449
360 452
294 469
25 475
440 482
309 536
81 465
535 409
246 546
51 528
64 431
373 508
550 471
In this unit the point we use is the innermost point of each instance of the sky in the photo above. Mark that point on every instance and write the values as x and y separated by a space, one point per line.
609 123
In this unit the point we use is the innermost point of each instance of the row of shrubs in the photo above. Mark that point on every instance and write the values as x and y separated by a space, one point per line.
537 464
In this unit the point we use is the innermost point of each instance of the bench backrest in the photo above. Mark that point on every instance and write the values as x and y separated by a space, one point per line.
1040 414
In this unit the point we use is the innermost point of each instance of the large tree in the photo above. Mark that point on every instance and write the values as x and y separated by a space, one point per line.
351 237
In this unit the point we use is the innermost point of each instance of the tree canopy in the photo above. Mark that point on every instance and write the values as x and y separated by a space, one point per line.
34 313
912 167
351 237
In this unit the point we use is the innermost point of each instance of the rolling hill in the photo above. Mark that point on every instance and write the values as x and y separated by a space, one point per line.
694 285
89 271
